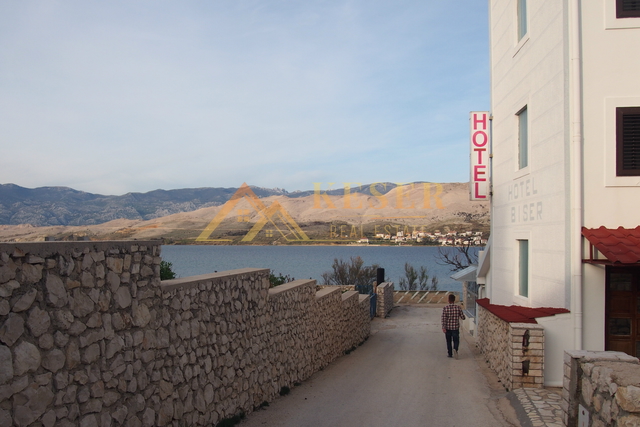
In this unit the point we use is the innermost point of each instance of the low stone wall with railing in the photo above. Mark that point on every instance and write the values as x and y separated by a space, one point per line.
423 297
90 336
601 389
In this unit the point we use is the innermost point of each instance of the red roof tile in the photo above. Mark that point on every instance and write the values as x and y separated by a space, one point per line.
518 314
619 245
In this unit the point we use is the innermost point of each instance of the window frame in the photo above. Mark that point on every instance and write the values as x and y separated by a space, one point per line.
523 137
620 113
521 16
621 14
523 268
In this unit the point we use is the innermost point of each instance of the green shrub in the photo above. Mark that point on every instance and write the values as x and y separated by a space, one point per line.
279 279
416 280
284 390
166 272
352 272
230 422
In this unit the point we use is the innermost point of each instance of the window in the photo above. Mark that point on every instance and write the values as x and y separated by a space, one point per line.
628 141
615 109
523 268
523 139
627 8
522 18
471 296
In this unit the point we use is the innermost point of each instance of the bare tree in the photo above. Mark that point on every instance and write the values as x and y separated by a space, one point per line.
458 257
434 284
423 279
414 279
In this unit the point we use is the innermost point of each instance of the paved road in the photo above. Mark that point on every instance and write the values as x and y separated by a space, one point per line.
400 376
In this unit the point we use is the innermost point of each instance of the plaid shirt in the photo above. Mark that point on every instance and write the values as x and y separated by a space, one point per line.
450 315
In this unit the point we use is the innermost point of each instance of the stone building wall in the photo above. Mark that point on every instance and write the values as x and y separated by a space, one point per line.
90 336
601 389
526 355
518 361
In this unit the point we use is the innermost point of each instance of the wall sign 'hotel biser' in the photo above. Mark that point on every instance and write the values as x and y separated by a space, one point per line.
480 137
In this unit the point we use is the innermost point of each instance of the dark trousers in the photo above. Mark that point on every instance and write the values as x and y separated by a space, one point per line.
452 335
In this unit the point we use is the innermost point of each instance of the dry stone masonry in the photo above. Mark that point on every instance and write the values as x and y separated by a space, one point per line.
385 295
601 389
515 351
90 336
384 299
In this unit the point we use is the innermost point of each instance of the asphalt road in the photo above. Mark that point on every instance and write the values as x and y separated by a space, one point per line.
400 376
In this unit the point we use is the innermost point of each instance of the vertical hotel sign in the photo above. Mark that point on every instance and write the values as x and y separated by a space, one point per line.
480 136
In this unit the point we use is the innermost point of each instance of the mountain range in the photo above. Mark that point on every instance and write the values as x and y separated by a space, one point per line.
181 215
45 206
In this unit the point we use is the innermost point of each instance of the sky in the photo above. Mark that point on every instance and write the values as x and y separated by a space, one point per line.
132 96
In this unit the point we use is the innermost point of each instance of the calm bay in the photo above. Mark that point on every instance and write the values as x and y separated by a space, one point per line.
303 262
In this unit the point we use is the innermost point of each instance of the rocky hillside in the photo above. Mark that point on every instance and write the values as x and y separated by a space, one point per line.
52 206
47 206
213 214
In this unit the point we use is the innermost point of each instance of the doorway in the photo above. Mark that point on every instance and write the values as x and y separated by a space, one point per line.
622 310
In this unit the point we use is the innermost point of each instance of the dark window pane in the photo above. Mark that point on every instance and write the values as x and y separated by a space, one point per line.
628 141
620 326
621 281
630 5
627 8
631 141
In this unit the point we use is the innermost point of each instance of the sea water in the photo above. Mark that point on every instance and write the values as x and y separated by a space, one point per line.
307 262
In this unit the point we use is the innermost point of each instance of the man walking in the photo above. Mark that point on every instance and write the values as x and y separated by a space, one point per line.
451 315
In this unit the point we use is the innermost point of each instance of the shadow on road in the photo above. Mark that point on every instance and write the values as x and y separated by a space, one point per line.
400 376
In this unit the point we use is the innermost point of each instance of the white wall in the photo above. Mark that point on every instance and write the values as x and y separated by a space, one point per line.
535 72
593 308
558 337
611 58
530 72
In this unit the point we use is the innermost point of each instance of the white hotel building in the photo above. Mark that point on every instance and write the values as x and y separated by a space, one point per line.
565 106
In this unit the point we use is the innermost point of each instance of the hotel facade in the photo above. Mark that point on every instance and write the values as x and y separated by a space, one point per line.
565 171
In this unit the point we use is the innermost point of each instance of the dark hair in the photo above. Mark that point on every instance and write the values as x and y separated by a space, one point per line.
452 298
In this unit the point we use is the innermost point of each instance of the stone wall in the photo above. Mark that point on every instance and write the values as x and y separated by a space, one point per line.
384 296
384 299
90 336
515 351
601 389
